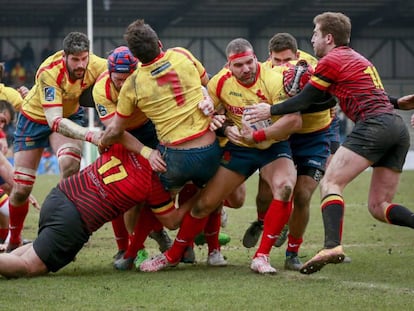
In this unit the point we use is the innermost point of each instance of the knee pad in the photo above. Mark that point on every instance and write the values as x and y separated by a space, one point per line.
69 150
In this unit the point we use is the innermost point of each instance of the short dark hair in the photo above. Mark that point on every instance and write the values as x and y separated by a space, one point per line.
75 42
142 41
5 105
283 41
335 23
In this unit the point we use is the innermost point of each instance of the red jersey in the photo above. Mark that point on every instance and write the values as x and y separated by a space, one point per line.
115 182
354 80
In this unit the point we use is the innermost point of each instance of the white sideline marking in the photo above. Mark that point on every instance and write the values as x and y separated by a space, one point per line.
365 285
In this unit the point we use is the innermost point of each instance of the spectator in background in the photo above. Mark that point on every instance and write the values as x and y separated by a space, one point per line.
46 52
28 57
9 64
18 75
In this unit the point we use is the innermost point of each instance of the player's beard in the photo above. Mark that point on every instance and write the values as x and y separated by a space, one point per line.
248 78
76 74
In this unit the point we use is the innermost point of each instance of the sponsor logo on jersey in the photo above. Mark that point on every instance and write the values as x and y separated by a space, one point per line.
102 110
49 94
235 94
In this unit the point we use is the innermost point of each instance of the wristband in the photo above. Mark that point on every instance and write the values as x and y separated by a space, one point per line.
146 152
259 136
89 136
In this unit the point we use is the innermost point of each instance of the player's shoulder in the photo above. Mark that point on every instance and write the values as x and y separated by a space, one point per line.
223 73
8 91
52 65
274 72
310 59
97 63
102 78
267 64
181 50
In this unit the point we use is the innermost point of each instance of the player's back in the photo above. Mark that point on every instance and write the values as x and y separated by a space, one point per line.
115 182
169 91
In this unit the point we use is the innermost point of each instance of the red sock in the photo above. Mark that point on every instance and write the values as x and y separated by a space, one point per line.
212 230
3 234
120 232
142 229
156 224
16 221
276 217
189 229
293 244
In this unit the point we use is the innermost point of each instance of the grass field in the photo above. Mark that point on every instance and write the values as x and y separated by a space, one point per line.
380 277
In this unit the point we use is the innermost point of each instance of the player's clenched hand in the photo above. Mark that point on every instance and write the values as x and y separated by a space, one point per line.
233 134
412 120
247 133
96 137
206 106
157 162
217 121
257 112
23 91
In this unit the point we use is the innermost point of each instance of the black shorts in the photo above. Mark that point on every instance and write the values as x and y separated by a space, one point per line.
383 140
61 233
146 134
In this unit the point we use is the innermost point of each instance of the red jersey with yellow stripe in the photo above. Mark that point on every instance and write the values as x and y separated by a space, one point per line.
224 89
11 95
106 95
168 91
354 80
54 88
117 181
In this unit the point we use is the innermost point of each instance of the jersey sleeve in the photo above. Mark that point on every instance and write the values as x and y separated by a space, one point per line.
97 65
50 91
12 96
325 72
199 66
104 103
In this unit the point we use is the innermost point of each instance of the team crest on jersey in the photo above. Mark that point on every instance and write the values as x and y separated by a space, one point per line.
102 110
49 94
